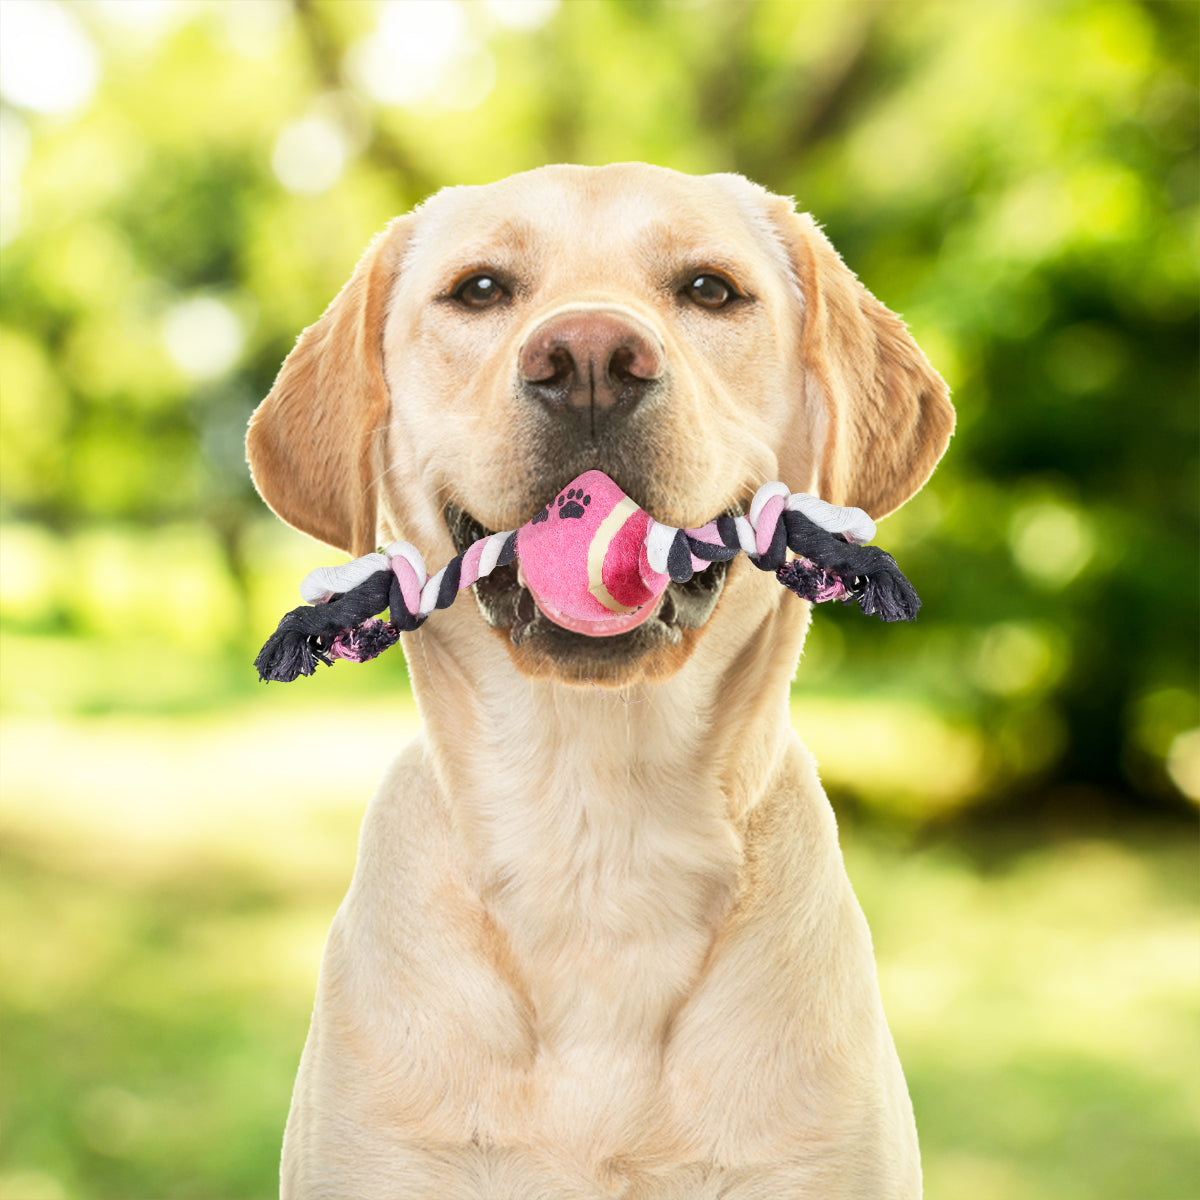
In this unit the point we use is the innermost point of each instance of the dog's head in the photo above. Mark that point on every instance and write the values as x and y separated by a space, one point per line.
691 337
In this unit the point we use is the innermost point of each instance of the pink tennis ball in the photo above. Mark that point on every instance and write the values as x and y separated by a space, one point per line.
582 559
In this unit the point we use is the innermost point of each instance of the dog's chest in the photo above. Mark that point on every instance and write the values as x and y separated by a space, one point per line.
609 903
607 889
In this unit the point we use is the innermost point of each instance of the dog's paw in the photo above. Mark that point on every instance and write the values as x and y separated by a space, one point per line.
574 502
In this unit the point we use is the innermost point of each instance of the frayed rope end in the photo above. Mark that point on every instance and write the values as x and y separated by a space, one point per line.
287 655
888 595
365 641
884 593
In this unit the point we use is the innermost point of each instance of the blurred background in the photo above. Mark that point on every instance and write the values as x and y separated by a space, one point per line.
185 185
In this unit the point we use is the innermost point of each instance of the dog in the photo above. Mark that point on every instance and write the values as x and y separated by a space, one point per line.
600 941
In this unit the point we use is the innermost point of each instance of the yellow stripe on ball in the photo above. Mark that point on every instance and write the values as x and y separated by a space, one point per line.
609 528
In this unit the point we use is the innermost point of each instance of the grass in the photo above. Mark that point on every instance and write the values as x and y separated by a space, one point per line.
167 884
1045 1011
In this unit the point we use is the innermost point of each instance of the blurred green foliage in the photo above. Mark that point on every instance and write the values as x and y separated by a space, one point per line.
1019 179
184 184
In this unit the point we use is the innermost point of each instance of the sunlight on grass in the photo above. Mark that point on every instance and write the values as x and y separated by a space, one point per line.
1046 1012
167 888
144 797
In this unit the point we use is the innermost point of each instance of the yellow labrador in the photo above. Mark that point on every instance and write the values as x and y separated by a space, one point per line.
600 941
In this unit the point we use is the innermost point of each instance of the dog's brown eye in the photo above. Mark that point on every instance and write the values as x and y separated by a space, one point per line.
480 291
709 291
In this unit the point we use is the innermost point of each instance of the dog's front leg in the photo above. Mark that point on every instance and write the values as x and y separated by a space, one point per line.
822 1177
417 1042
367 1167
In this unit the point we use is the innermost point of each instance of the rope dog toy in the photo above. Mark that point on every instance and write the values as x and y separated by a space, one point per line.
596 563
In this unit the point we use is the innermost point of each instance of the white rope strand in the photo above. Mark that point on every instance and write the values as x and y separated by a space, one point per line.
833 518
317 586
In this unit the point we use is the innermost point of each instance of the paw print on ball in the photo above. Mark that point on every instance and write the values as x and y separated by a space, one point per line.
571 504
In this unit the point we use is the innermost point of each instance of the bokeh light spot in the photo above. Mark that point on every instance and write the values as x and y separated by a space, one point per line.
1015 659
34 564
1106 201
47 61
112 1120
522 14
309 155
1031 221
255 28
149 20
468 80
1052 542
203 336
1183 763
405 59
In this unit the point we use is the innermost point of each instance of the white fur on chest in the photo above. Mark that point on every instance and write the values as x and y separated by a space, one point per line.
606 864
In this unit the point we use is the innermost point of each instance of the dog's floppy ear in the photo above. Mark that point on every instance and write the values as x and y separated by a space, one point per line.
313 443
887 412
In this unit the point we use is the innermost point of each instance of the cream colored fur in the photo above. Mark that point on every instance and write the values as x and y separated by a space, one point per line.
600 941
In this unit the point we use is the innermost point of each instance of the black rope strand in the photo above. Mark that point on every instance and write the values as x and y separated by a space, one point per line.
305 634
869 574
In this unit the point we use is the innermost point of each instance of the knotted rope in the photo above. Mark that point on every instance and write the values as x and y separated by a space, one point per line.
340 618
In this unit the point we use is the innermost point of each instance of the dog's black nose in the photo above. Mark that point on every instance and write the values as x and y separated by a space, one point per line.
590 363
